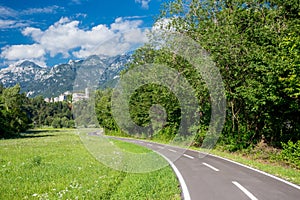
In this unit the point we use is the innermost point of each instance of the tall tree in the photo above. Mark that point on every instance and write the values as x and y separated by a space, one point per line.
259 63
13 117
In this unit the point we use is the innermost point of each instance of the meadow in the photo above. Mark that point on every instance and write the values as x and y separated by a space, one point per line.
54 164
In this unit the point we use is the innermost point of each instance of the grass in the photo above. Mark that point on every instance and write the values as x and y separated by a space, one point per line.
122 155
54 164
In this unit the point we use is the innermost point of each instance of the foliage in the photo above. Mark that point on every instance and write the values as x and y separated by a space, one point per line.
56 114
255 45
84 113
103 110
13 118
19 113
291 153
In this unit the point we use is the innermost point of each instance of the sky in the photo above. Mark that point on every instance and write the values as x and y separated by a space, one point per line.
56 31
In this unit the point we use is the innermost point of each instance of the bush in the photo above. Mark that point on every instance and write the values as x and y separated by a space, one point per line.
291 153
56 123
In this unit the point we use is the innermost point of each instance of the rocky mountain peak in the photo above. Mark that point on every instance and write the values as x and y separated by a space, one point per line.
52 81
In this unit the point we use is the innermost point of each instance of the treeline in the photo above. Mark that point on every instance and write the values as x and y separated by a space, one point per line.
55 114
19 113
256 47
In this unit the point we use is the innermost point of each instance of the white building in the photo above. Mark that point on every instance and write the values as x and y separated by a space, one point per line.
56 99
75 96
81 96
62 97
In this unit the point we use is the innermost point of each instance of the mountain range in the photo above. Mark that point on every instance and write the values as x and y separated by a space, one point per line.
95 71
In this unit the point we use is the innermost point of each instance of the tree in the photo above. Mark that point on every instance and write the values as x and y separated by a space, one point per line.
255 45
13 117
56 123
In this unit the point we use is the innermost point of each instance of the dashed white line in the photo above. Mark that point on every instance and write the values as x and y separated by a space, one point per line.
160 147
188 156
251 168
208 165
150 145
249 194
172 150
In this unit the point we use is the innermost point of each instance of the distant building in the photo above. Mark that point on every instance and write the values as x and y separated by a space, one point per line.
81 96
67 93
47 100
56 99
75 96
87 93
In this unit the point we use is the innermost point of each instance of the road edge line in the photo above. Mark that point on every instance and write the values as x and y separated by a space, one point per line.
184 188
251 168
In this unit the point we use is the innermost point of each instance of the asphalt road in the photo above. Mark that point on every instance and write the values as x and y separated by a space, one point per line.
212 177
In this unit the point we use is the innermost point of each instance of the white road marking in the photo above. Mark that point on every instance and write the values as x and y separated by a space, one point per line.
188 156
150 145
172 150
184 188
256 170
160 147
249 194
140 142
208 165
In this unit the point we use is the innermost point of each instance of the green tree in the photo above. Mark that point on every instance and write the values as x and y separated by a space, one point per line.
258 62
13 117
56 123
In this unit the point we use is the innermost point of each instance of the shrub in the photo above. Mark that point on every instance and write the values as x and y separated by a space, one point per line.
56 123
291 153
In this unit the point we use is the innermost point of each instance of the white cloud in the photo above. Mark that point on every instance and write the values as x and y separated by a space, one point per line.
144 3
83 15
16 52
65 37
8 23
77 2
48 9
10 18
7 12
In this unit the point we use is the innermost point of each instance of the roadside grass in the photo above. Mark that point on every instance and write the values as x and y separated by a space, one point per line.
54 164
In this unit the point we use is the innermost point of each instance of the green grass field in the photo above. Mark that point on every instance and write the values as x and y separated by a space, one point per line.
54 164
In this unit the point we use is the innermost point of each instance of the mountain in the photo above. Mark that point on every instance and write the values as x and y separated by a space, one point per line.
93 72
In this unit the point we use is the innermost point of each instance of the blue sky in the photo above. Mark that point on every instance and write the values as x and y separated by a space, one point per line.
52 32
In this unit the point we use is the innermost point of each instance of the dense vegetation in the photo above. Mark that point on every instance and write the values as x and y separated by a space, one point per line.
56 114
13 116
19 113
255 45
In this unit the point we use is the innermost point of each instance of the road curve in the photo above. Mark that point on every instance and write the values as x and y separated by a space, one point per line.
212 177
